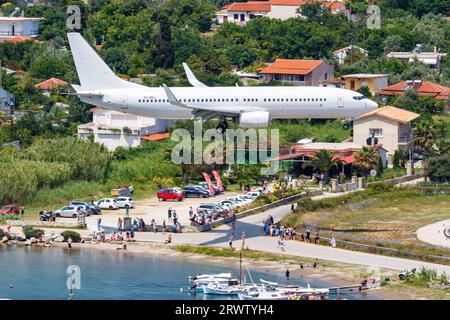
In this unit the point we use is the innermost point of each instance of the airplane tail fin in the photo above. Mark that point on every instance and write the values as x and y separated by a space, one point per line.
93 72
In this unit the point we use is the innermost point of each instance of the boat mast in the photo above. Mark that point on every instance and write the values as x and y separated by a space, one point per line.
240 267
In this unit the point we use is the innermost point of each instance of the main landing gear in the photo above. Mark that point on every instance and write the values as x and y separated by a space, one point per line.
223 125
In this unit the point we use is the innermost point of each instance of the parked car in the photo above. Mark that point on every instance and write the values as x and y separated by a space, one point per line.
253 194
205 186
195 192
218 210
229 204
93 209
10 209
125 202
239 201
68 212
170 194
107 203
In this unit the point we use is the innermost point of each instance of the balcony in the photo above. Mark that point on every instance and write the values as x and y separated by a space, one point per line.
404 140
9 34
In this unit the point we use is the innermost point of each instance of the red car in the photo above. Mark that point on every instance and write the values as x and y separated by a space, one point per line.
10 209
170 194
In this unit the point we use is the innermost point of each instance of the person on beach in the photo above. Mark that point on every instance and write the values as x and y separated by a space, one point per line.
69 243
169 214
164 227
8 227
99 222
230 240
308 235
169 239
288 273
119 224
191 212
127 211
243 239
132 234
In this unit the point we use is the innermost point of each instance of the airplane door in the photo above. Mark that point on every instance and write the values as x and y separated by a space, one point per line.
340 102
124 103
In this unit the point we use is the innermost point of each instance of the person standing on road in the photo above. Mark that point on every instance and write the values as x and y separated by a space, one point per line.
316 237
127 211
191 212
333 241
243 239
230 240
308 235
169 214
119 224
99 222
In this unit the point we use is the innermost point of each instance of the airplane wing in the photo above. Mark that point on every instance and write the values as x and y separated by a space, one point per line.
191 77
207 113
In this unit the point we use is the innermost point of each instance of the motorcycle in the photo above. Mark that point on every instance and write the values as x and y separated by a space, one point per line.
47 216
406 273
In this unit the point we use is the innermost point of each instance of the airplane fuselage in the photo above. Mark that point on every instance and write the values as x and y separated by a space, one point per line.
280 102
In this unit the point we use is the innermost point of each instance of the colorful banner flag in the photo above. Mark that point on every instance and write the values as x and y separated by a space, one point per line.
218 181
210 185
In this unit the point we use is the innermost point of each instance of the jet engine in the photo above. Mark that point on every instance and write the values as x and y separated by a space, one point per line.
254 119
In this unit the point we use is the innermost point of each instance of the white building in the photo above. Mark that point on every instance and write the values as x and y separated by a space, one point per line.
341 54
6 100
11 27
242 12
116 129
431 59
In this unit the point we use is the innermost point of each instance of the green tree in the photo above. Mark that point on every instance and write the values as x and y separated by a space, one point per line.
366 159
438 168
324 161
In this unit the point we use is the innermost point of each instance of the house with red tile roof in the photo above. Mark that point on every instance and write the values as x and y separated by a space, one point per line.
389 125
242 12
423 88
298 72
295 158
50 84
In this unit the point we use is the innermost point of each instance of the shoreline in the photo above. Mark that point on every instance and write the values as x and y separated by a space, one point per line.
326 271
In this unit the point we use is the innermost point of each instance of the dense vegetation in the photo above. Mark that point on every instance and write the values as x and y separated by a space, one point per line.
150 39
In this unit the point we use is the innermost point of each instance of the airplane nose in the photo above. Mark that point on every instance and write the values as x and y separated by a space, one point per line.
371 105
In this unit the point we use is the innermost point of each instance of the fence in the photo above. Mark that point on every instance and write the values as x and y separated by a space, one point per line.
263 208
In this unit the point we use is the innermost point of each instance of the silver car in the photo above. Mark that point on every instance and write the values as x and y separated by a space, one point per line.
69 212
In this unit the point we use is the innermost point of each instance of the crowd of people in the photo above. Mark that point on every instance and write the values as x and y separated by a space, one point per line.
283 233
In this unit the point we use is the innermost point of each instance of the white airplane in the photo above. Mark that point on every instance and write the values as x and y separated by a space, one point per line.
250 107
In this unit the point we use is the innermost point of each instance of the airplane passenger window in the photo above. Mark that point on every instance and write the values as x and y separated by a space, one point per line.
264 99
148 100
227 99
231 99
139 100
295 99
159 100
309 99
282 99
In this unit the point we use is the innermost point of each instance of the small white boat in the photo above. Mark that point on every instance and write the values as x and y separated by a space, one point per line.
263 295
224 290
201 280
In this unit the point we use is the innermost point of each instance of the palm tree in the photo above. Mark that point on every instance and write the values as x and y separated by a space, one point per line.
425 134
324 161
366 158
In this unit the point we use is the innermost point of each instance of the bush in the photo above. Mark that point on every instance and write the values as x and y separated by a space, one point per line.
30 232
5 217
379 187
72 234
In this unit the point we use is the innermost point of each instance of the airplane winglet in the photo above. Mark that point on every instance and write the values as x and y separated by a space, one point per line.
191 77
171 97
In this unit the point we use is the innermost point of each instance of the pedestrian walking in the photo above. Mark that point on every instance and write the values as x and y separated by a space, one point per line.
316 237
333 241
191 212
127 211
22 212
169 214
308 235
243 239
230 240
99 222
164 227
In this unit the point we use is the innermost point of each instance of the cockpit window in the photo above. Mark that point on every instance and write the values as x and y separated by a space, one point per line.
358 97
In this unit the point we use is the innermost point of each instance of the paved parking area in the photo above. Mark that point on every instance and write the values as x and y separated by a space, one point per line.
151 208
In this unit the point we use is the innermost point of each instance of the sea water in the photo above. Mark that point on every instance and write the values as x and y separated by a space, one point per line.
41 273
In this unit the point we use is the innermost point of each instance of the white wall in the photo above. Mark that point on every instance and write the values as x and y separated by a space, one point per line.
25 28
283 12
